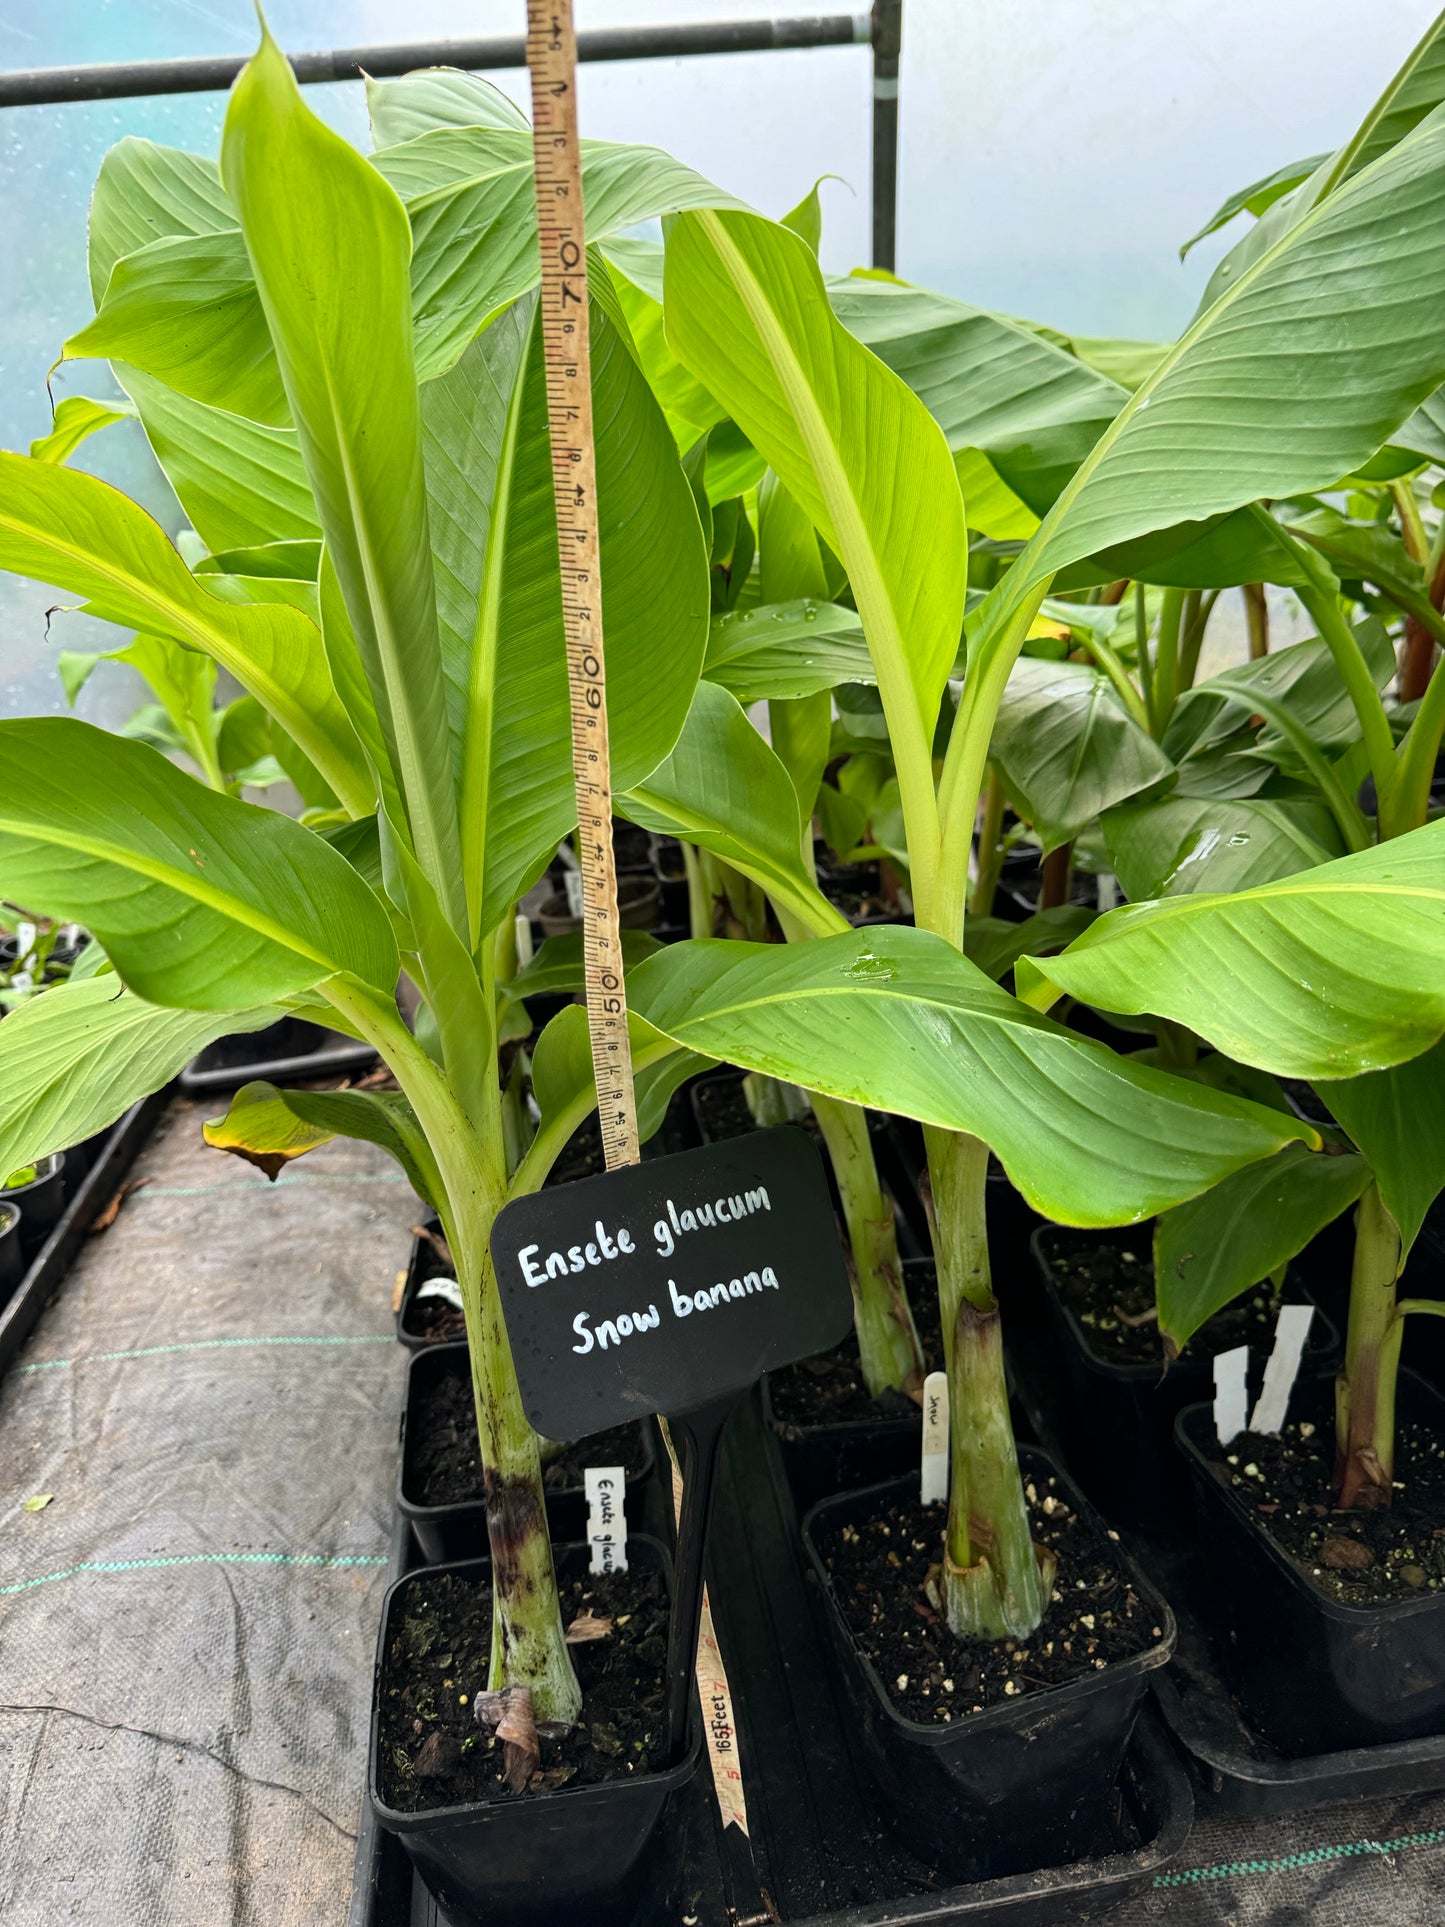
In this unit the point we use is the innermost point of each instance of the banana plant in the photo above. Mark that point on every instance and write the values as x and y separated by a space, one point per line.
273 319
1332 975
1313 720
1295 376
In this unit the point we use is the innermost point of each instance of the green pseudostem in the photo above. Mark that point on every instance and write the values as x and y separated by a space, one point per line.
1365 1389
528 1640
994 1583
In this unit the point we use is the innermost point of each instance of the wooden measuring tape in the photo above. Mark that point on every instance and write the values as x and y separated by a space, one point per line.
552 64
566 345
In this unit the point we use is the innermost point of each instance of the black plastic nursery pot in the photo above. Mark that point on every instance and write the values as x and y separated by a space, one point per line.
459 1530
41 1201
12 1262
578 1853
1021 1785
1313 1674
286 1052
1115 1418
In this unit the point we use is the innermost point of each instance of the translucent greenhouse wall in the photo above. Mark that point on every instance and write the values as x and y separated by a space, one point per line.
1052 160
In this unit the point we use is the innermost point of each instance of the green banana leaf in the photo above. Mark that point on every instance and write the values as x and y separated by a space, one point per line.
146 193
330 248
724 790
1413 92
1397 1118
1295 376
494 531
747 312
105 832
185 310
1327 974
61 526
270 1127
1066 748
1210 1250
77 418
471 200
1182 845
437 97
784 651
76 1059
1255 198
1088 1137
990 383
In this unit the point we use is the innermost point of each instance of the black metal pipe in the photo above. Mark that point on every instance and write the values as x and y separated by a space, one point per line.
47 86
887 39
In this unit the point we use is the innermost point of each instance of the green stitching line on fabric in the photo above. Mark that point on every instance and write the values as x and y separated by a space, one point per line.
269 1184
321 1559
199 1345
1293 1862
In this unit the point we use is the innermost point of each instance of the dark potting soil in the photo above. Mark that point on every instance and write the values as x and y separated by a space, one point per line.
1362 1557
829 1389
879 1569
433 1754
1110 1290
443 1463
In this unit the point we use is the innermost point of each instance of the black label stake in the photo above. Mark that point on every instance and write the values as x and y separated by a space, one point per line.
700 1433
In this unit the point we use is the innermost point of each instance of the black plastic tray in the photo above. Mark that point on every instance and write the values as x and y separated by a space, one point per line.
822 1856
111 1154
338 1058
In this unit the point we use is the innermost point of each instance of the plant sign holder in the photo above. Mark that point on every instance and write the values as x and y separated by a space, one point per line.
668 1288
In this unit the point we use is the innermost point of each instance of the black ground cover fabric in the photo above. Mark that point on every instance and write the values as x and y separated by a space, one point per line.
187 1628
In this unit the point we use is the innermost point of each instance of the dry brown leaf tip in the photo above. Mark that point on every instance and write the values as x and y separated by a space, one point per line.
588 1625
509 1714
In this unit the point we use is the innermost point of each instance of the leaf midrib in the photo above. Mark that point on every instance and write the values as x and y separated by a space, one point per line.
171 878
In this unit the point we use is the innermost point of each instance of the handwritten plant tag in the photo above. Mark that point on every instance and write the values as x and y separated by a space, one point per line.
606 1489
933 1474
661 1286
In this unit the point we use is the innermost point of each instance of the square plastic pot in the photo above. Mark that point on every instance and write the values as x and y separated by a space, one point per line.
41 1201
459 1530
1023 1785
576 1853
1313 1674
12 1262
1117 1419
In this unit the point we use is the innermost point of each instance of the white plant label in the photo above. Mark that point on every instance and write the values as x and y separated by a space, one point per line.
572 884
606 1488
1290 1333
1231 1393
445 1288
933 1474
524 938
